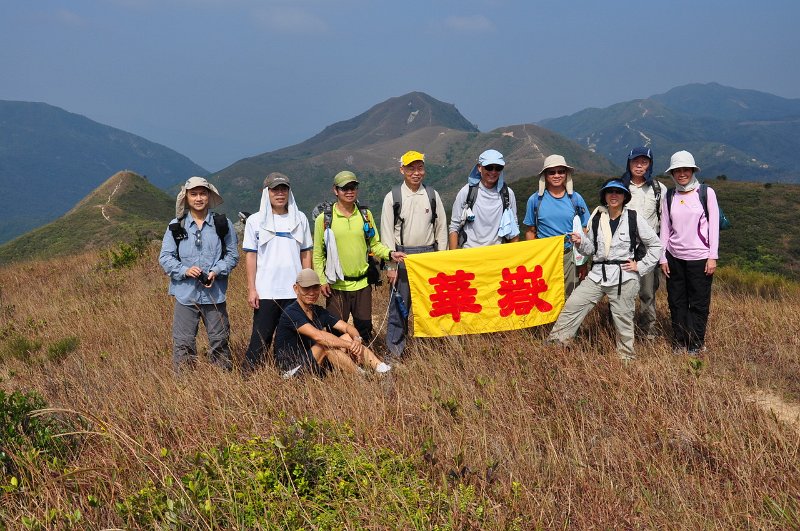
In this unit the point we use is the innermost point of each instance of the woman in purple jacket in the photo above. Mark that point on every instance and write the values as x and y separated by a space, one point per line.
690 239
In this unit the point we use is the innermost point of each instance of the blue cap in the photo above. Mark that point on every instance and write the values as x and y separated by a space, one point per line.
614 183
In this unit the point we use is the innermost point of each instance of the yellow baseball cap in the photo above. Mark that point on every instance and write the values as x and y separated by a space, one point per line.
411 156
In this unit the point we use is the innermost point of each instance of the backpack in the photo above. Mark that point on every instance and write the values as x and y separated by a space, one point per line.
537 201
373 273
472 195
179 233
724 222
638 250
397 204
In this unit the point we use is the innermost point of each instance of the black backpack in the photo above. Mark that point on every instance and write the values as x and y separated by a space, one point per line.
179 233
637 247
397 204
472 195
537 201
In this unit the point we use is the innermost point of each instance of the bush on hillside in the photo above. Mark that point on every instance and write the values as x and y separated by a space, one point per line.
23 434
310 474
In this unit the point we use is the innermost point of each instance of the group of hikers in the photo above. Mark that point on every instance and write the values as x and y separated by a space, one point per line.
639 227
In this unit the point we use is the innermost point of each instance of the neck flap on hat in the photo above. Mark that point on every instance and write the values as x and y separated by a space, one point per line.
475 177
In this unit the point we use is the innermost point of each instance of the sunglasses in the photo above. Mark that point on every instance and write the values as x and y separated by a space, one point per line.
493 167
348 187
556 172
615 191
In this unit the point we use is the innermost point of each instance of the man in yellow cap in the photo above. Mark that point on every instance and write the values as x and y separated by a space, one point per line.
345 240
413 220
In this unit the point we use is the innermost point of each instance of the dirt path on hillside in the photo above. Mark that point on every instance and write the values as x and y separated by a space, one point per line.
111 196
783 411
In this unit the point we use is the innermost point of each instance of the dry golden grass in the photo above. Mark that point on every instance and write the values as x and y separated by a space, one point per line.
549 437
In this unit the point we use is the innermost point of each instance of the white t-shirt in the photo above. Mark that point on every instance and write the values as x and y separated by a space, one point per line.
278 261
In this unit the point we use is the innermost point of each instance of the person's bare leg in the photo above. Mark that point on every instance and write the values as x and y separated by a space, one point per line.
338 358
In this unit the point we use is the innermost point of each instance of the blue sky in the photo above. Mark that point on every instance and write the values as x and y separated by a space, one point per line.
219 80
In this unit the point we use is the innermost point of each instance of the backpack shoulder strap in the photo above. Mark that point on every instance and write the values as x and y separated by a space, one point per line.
670 195
178 233
504 196
222 229
633 229
472 195
432 199
703 193
579 210
657 194
537 200
595 226
397 203
327 216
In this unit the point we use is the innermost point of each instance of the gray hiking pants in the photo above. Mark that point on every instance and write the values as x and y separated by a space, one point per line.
185 323
648 285
397 325
585 297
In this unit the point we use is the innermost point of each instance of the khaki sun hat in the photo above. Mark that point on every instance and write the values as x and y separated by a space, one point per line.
554 161
214 199
682 159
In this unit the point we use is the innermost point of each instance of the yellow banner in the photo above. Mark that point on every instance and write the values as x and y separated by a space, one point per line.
487 289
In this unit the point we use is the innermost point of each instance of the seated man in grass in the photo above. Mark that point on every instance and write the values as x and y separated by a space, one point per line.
305 339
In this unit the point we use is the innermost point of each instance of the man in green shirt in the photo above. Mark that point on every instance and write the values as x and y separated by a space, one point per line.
341 254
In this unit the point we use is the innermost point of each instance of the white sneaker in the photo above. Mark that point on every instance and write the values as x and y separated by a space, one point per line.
382 368
288 374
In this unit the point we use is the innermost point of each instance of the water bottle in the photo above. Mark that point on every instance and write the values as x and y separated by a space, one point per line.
401 305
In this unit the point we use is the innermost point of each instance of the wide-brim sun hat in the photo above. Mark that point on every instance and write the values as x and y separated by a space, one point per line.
614 184
214 198
554 161
682 159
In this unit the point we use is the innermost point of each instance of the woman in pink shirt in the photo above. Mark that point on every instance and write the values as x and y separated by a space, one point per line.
690 240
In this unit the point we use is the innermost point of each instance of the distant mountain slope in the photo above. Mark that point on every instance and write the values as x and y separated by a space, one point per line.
122 207
371 144
744 134
51 158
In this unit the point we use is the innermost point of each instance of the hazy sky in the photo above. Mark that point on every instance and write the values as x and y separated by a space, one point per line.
219 80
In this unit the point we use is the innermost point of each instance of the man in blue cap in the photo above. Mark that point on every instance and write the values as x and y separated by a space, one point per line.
646 194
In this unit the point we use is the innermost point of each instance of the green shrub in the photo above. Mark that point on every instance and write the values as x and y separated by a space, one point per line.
59 350
126 254
310 475
18 346
23 434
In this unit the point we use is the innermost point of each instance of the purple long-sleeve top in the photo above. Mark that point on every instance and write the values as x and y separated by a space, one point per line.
685 231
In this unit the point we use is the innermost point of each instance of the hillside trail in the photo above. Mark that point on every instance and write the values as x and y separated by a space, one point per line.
771 403
108 202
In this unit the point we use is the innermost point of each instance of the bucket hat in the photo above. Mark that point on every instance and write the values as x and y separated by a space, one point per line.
614 184
214 199
682 159
554 161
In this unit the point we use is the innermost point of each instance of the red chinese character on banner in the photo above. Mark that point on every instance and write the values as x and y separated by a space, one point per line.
453 295
519 292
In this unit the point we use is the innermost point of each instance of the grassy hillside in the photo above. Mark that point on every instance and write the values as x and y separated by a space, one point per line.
123 208
765 236
499 431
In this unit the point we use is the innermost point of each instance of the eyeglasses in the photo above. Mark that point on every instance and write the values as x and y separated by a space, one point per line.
280 189
348 187
416 168
615 191
493 167
556 172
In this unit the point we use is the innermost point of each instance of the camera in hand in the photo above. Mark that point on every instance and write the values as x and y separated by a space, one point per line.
203 278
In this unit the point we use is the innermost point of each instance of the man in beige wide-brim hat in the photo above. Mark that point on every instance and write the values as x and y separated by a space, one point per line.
552 211
198 252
